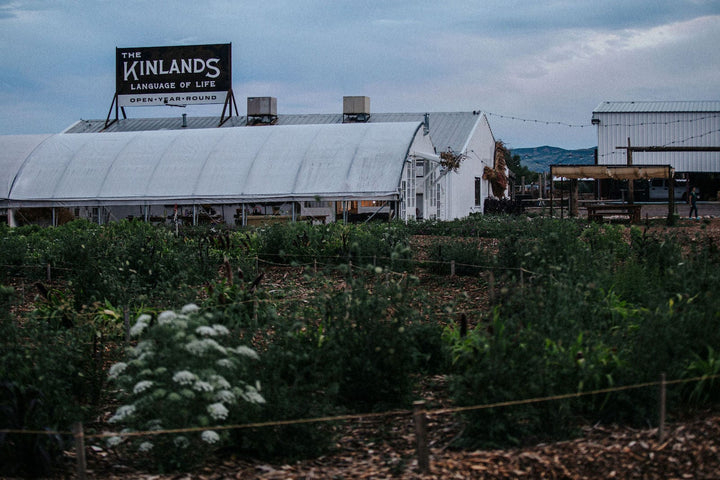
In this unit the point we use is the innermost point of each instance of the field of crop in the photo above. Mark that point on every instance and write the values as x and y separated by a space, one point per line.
213 348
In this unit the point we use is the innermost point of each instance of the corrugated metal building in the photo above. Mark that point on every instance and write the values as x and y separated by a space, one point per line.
659 124
318 166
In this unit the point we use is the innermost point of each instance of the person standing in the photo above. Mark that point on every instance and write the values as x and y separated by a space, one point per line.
693 203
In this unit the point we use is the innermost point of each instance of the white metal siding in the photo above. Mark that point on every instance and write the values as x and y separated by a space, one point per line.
665 129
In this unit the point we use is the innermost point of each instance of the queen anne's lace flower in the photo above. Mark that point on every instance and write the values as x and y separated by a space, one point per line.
246 352
183 377
138 328
113 442
209 436
221 329
145 447
205 331
225 396
202 386
201 347
189 308
123 412
218 411
141 386
253 396
117 369
219 381
225 363
166 317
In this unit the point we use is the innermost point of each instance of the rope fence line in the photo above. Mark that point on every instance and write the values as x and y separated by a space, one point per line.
392 413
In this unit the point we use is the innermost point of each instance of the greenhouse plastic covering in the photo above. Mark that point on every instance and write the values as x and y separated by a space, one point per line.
223 165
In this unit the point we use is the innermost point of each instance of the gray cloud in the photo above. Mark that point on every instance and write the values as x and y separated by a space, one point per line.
551 61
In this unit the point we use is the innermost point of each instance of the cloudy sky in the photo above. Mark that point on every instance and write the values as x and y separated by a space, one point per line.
538 68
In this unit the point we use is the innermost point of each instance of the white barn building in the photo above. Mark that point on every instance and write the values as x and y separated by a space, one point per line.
320 167
659 124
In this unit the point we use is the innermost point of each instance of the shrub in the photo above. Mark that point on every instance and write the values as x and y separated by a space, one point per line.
364 338
45 373
187 371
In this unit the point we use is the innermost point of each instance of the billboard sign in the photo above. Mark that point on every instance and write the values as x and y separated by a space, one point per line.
153 76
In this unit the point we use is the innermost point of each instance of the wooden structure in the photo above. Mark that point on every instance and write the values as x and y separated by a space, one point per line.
598 211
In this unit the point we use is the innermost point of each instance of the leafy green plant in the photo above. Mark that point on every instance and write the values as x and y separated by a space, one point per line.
364 339
186 372
707 389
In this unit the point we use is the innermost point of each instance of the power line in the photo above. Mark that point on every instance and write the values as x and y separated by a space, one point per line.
545 122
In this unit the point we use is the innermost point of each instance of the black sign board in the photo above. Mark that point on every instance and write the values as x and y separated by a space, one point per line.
195 74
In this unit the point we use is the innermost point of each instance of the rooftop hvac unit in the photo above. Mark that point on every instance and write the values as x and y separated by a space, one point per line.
356 109
261 110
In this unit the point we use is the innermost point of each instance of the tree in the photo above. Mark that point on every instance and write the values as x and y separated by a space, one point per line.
514 164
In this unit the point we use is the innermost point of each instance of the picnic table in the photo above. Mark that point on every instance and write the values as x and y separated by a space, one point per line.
598 211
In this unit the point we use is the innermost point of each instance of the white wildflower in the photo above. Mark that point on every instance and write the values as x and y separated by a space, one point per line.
181 442
122 413
138 328
218 411
143 346
189 308
246 352
141 386
167 317
205 331
117 369
183 377
225 363
219 381
202 386
144 318
145 447
221 329
201 347
113 442
253 396
210 436
225 396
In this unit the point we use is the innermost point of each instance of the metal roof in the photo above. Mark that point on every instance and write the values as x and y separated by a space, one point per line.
658 107
362 160
447 129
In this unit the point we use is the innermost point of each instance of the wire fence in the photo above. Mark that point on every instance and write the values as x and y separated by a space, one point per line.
419 412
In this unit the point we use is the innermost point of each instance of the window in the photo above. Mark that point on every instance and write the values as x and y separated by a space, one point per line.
372 203
478 191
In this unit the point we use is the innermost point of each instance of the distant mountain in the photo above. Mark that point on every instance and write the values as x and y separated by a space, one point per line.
539 159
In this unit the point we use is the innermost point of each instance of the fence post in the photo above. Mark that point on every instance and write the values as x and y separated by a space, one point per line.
421 436
663 396
491 287
452 268
126 318
49 274
80 450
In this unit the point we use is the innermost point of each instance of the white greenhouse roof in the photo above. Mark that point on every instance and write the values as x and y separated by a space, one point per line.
12 155
208 165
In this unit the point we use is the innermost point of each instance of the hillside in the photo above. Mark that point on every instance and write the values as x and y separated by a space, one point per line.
539 159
